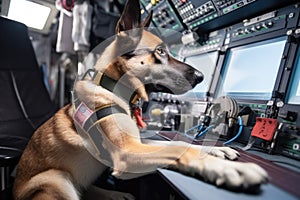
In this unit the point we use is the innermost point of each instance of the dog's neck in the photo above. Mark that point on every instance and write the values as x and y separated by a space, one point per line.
119 89
129 95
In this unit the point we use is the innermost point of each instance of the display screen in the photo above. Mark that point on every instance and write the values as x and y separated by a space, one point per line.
205 63
294 91
250 71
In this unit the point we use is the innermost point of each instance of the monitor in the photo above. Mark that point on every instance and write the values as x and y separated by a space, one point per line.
206 63
294 90
250 71
38 15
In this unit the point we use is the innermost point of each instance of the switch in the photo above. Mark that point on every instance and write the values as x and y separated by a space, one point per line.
248 30
267 25
253 29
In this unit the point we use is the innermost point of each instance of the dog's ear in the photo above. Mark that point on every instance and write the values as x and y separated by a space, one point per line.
147 21
131 17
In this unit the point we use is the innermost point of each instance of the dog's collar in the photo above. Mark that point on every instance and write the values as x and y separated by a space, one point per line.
119 89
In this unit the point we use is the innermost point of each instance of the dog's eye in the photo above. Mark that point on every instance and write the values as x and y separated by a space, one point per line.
161 51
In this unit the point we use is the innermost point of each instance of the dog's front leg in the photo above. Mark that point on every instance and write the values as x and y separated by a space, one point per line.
131 157
220 152
146 158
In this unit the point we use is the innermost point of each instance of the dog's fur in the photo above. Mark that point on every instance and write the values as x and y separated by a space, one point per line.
57 163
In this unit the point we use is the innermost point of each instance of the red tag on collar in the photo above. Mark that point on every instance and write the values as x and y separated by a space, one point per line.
137 112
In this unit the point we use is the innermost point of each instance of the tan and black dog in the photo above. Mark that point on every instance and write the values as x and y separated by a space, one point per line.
59 163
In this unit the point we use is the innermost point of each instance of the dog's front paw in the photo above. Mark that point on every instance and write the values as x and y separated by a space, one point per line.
221 152
234 175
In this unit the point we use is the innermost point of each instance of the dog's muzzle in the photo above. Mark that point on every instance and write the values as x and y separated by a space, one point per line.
198 77
195 78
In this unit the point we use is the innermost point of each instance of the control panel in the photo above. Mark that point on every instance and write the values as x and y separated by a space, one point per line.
164 16
289 142
258 124
197 12
194 13
266 23
226 6
205 15
210 42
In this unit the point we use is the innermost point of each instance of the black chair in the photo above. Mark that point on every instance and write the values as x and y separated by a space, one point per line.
24 102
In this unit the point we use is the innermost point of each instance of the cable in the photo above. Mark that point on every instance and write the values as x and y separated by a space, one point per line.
199 127
203 132
240 122
20 101
191 129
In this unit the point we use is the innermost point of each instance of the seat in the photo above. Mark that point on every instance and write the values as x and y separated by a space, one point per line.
24 103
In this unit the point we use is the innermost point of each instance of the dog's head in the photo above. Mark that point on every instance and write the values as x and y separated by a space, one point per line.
142 61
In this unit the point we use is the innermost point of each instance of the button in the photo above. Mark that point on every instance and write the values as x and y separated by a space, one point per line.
270 24
291 15
267 25
258 27
240 4
289 32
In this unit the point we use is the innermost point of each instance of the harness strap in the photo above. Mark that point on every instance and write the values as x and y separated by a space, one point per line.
86 117
102 113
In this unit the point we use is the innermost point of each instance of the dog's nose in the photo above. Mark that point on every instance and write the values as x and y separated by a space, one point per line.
198 77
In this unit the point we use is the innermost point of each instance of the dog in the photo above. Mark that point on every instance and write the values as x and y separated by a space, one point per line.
63 157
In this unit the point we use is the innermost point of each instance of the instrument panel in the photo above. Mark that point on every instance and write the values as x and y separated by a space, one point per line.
213 33
205 15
